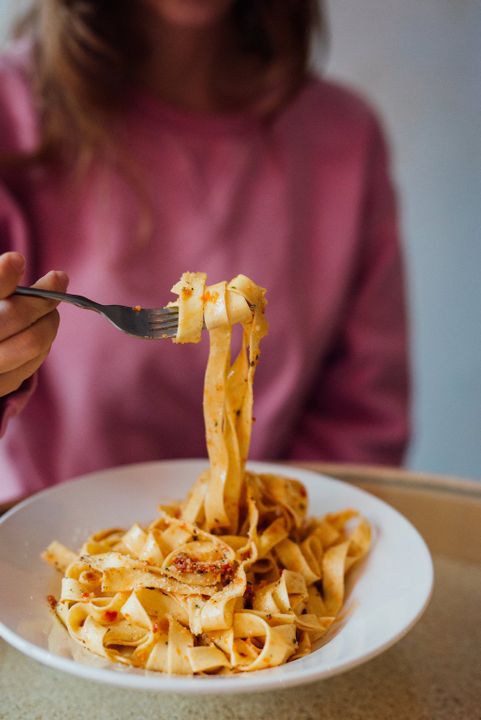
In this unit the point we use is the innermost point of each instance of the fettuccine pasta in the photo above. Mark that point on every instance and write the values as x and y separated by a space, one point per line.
235 577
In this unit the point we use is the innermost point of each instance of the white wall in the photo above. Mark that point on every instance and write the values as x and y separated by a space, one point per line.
8 8
420 63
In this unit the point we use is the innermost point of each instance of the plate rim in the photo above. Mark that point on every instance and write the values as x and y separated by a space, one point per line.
261 680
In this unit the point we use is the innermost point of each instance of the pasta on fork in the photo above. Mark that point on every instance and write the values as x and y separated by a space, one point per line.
236 577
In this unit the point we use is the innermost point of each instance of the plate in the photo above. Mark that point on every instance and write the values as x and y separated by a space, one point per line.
386 594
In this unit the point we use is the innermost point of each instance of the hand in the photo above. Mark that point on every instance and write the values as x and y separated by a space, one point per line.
27 326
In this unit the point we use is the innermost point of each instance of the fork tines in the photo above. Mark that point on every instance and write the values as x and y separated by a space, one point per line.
163 322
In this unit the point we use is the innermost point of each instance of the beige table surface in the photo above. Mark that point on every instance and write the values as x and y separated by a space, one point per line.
434 673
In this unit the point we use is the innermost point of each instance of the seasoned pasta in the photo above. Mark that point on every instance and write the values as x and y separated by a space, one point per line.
235 577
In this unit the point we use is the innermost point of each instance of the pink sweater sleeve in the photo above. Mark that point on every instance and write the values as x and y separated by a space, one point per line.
13 236
359 410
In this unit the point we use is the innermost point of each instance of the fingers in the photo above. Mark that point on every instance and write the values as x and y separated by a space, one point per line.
30 344
12 265
11 381
18 313
28 326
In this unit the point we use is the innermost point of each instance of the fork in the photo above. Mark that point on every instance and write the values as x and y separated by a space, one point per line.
153 323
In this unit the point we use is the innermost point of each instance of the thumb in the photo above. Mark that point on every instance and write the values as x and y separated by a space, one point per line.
12 266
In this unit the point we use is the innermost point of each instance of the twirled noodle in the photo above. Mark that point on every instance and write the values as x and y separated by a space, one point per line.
234 578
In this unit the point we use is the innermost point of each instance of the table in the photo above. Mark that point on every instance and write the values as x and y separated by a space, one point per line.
431 674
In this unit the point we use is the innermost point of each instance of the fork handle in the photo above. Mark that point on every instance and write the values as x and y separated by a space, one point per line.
78 300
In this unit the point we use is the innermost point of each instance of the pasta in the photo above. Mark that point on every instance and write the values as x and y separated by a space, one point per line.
234 578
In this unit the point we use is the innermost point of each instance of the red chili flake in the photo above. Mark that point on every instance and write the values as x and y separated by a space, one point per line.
86 594
155 627
183 563
52 601
210 297
110 615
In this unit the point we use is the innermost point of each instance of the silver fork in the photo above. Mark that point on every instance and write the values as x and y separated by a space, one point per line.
153 323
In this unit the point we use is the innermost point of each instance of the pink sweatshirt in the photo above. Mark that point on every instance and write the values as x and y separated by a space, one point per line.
303 205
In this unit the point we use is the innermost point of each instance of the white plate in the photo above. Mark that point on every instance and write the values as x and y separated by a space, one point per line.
387 593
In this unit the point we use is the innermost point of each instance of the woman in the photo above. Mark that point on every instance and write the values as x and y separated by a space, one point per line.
140 140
